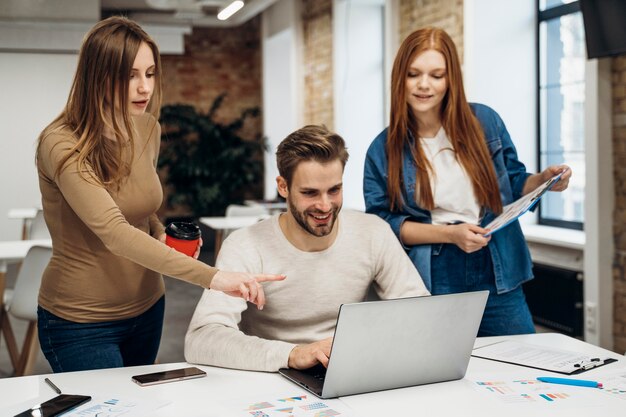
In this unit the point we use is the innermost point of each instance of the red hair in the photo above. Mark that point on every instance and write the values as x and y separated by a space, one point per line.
457 119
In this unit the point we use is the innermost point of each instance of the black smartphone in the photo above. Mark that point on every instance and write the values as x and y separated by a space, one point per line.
55 406
168 376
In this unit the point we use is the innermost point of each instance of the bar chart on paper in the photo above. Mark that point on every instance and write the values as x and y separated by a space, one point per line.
288 406
615 384
536 394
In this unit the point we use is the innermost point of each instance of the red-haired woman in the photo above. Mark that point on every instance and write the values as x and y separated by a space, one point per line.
443 169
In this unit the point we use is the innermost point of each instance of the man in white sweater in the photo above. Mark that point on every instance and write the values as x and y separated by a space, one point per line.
329 258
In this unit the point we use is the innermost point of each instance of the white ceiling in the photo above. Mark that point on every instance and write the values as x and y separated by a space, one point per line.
188 12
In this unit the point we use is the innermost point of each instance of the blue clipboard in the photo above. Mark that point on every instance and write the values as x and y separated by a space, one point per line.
513 211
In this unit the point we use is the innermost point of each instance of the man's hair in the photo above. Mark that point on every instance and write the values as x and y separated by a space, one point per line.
310 143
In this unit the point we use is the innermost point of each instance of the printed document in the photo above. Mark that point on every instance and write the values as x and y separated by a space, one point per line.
514 210
539 357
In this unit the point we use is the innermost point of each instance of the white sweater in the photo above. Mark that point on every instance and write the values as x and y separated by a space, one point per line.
302 308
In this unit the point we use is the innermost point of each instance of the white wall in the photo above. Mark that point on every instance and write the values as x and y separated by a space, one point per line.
499 66
599 204
282 89
34 90
37 63
358 57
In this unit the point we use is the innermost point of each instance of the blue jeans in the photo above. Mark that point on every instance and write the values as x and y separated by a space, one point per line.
69 346
454 271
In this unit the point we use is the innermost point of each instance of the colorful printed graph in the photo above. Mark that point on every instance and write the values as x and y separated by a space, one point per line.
260 406
490 383
285 410
616 391
554 397
292 399
528 381
313 406
327 413
504 390
259 414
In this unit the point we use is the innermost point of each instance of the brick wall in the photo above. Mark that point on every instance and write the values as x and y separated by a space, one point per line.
318 62
444 14
619 228
216 61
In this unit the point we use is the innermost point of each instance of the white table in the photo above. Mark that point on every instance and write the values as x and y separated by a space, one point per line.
271 206
221 224
218 393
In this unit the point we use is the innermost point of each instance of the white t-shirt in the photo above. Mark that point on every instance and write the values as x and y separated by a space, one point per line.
225 331
453 192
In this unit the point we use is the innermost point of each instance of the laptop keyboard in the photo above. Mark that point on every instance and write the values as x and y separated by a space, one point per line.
318 372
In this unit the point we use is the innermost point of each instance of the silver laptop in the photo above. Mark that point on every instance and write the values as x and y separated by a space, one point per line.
381 345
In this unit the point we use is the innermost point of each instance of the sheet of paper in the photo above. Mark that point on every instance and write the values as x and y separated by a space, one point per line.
614 383
512 211
535 356
535 395
293 404
114 405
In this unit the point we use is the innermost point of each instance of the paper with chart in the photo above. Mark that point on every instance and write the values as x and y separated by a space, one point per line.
539 357
535 395
514 210
614 383
115 405
293 405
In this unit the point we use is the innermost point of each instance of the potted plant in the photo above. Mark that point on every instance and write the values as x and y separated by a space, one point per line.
206 165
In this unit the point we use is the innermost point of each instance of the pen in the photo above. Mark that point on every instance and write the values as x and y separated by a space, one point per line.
54 387
567 381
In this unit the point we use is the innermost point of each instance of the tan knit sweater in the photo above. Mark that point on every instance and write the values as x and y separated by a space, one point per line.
107 261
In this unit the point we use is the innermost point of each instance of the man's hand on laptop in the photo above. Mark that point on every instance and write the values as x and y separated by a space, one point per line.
306 356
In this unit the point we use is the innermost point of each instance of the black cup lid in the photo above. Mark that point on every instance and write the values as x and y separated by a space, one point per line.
183 230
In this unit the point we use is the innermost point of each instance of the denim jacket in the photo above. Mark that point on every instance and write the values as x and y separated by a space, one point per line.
509 252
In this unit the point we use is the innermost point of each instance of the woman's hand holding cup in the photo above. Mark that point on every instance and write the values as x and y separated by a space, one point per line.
243 284
184 237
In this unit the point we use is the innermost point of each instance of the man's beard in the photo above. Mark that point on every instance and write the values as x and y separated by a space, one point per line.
301 219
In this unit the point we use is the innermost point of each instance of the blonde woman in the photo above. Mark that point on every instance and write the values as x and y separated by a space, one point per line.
101 300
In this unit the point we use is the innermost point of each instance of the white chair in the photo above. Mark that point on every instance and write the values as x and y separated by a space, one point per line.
21 303
237 210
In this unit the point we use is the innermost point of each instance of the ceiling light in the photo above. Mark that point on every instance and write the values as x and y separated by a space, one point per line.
230 10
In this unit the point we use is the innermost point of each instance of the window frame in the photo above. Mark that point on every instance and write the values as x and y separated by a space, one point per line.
544 16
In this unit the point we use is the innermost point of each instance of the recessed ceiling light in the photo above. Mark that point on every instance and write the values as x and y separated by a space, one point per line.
230 10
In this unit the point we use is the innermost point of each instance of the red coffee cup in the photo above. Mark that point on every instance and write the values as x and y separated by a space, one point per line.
182 236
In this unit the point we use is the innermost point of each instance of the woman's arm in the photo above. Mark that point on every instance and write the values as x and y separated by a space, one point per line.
468 237
375 187
408 230
95 207
536 180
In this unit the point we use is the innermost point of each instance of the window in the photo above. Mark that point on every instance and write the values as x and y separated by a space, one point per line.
561 130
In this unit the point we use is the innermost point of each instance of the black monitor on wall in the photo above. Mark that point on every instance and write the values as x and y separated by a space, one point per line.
605 27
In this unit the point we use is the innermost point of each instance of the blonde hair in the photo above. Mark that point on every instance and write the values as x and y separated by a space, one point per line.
98 99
